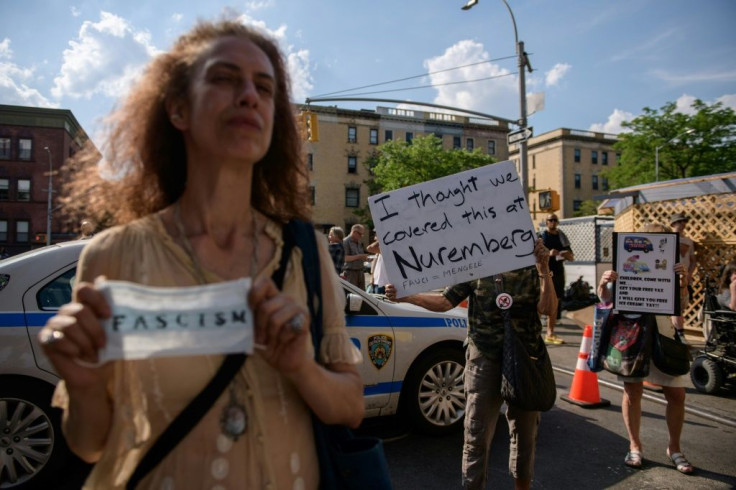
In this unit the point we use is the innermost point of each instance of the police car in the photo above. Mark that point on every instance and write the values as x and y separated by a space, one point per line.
413 362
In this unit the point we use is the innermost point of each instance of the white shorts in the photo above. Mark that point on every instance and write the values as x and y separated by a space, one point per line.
657 377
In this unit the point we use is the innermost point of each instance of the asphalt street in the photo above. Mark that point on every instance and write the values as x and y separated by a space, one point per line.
579 447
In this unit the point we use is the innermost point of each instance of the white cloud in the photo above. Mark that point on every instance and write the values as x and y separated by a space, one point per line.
613 125
14 79
557 73
176 17
695 76
297 60
14 89
106 58
497 96
728 100
301 79
685 101
5 51
75 11
259 5
682 105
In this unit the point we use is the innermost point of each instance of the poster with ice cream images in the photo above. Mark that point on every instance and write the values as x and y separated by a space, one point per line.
647 282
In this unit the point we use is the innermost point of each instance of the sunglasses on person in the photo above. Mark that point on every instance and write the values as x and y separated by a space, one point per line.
552 219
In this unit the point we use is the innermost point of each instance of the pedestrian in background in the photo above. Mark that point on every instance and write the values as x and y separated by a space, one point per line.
207 153
673 387
727 287
559 251
678 222
379 279
355 256
337 251
532 294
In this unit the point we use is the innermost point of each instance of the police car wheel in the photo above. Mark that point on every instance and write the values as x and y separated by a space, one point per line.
32 446
433 399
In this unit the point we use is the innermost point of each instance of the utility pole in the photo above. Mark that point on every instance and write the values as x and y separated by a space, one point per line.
523 64
48 209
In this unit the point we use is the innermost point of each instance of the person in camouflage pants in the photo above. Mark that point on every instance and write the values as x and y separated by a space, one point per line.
532 294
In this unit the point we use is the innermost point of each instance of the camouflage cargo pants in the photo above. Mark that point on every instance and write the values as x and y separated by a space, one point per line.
483 395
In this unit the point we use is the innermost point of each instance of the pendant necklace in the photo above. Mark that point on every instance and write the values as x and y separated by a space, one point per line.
234 417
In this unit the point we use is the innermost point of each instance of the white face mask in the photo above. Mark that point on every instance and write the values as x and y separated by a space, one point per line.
149 322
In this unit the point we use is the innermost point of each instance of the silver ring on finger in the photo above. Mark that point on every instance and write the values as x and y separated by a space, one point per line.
51 336
296 324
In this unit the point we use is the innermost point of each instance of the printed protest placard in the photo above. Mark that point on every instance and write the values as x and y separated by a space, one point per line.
457 228
647 282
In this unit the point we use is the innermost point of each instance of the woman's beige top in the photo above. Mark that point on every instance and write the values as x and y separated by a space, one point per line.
277 451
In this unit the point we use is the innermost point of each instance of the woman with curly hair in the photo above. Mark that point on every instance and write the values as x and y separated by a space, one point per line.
204 168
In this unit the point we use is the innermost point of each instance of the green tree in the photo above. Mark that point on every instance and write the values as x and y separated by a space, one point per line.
399 164
701 143
587 208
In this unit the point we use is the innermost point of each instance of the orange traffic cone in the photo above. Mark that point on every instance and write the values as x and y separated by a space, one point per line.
584 390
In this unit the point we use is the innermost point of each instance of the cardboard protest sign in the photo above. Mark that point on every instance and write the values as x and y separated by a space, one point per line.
457 228
149 321
647 282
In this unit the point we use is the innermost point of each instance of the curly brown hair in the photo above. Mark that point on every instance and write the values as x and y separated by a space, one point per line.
143 169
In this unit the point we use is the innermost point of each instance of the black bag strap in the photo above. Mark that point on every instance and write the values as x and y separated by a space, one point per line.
187 419
301 234
200 405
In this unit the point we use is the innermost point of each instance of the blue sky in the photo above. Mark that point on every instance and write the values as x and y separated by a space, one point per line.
596 62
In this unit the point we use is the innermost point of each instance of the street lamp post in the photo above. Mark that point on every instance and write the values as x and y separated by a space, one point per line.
48 209
523 63
656 152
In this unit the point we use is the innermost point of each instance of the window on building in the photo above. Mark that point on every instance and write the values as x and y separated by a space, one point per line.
3 230
594 157
5 148
310 161
388 135
21 231
595 182
577 204
491 147
312 194
409 137
24 190
469 144
352 164
352 198
374 137
456 143
604 158
4 189
577 181
604 183
352 134
25 148
577 155
534 162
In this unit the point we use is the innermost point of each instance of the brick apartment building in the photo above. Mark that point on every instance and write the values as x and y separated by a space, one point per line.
570 162
33 142
348 138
